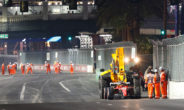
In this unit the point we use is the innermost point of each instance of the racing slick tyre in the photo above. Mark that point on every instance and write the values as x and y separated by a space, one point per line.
105 92
110 93
121 95
102 88
137 87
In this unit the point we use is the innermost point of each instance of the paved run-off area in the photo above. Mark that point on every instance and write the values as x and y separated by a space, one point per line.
68 92
43 88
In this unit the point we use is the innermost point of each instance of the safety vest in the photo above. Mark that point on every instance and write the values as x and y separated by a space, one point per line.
47 65
149 78
156 78
23 66
29 66
2 66
163 77
10 67
71 65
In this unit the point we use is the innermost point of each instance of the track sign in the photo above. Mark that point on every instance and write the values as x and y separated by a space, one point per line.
3 36
24 6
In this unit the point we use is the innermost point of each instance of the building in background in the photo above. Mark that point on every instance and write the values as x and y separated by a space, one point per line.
14 10
86 41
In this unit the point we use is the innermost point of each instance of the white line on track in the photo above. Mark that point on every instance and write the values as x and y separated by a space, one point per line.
22 92
62 85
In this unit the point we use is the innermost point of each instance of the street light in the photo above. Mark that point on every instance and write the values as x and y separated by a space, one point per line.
23 40
126 59
136 60
48 44
165 18
162 32
69 38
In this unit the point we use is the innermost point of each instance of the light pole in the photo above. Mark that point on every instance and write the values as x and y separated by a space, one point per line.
177 20
182 19
165 18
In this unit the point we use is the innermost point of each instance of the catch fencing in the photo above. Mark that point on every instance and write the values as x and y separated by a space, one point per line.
169 54
83 59
6 59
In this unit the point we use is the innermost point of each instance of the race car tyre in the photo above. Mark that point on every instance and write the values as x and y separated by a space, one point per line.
101 88
110 93
137 87
105 92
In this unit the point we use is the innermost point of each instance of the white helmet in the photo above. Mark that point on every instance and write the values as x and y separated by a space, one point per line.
160 68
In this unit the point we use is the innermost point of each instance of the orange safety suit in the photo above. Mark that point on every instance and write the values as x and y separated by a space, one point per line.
22 68
29 68
163 84
71 68
3 69
10 69
149 82
156 82
14 69
56 68
47 65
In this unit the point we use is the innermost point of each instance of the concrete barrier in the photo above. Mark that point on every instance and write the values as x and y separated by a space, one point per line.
66 68
175 90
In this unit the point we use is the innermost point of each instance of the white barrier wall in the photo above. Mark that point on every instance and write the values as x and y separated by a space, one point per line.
175 90
66 68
